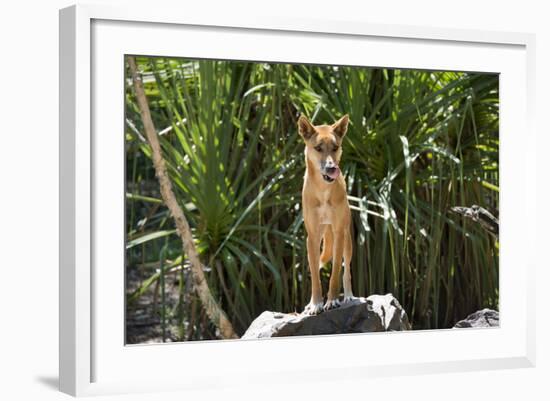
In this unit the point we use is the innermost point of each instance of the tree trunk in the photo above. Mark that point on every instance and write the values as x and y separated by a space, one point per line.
212 308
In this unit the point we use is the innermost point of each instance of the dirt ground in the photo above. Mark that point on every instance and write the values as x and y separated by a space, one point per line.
143 316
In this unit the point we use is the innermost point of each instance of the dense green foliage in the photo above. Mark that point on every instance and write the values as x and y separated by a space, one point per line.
419 142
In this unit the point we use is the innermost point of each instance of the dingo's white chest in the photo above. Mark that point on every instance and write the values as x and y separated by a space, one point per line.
325 209
325 214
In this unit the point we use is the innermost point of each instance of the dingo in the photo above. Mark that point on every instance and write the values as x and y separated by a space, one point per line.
326 211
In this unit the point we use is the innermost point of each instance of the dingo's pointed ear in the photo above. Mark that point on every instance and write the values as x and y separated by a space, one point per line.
340 127
305 128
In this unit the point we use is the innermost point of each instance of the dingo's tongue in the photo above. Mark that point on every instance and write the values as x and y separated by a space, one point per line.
335 173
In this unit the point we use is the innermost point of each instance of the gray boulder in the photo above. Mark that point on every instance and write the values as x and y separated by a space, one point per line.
482 318
374 313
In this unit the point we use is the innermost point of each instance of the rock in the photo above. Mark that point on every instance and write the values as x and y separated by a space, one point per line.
482 318
375 313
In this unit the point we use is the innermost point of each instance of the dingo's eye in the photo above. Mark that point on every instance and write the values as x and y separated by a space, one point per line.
319 148
335 149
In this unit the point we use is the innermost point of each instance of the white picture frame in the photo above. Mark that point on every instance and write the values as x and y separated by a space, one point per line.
93 357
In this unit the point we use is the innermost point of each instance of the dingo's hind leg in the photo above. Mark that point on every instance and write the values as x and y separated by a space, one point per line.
326 255
348 251
335 283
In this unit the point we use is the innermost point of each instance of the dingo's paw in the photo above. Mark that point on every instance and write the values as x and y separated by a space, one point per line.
313 308
349 298
331 304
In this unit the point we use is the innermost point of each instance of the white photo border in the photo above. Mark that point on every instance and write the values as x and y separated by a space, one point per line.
93 358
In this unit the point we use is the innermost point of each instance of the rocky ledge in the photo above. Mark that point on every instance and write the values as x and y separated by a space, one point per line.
482 318
372 314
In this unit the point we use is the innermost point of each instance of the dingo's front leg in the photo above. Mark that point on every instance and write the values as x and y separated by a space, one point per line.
315 305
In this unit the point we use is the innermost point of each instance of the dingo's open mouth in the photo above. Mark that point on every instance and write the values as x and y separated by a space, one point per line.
327 178
331 173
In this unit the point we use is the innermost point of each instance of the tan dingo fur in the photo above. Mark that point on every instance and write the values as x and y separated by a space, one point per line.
326 211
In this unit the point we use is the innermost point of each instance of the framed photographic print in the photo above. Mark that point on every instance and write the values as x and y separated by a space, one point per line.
234 192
